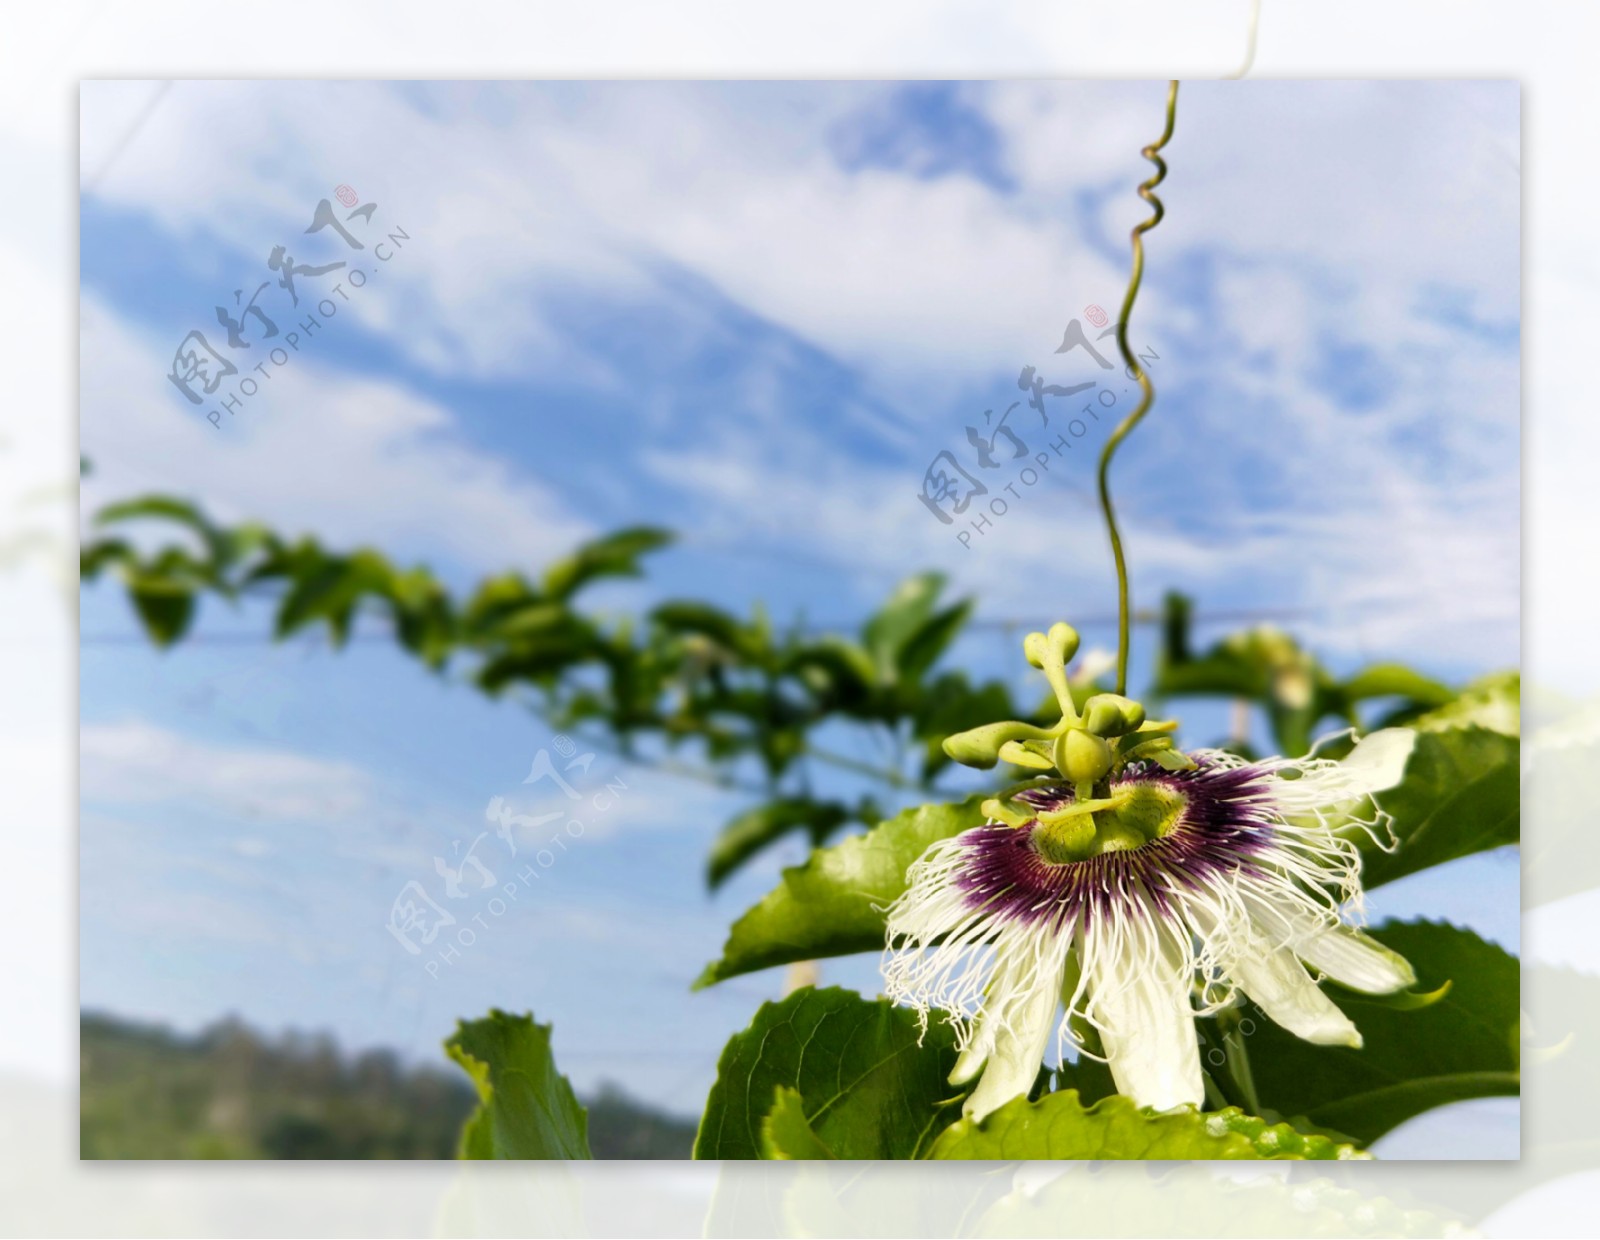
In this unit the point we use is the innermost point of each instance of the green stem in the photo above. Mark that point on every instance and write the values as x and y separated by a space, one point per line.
1147 394
1216 1100
1229 1022
893 778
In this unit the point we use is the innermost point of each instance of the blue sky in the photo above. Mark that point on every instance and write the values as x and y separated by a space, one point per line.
753 313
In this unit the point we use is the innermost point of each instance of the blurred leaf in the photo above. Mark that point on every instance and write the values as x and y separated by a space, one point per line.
830 906
1177 611
1494 702
714 624
1266 666
786 1133
889 630
539 663
97 556
332 590
424 619
161 507
838 671
1220 674
526 1108
1059 1126
754 829
1396 680
615 555
158 506
872 1083
531 621
950 705
165 606
1463 1046
924 647
495 598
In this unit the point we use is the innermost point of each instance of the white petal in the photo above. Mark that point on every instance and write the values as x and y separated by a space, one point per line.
1331 791
1347 956
1012 1035
1379 760
971 1060
1140 1003
1352 959
1281 986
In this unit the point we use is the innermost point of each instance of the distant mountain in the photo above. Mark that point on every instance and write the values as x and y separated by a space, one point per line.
230 1092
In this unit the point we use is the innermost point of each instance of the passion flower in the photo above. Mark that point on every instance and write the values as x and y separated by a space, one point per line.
1136 889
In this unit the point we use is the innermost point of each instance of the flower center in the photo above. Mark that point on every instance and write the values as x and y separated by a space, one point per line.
1139 814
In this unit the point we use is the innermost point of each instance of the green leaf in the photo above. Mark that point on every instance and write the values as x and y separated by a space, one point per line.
533 621
161 507
786 1133
166 607
541 660
1494 702
1215 674
1462 1046
837 670
615 555
831 905
1461 794
331 590
1177 611
931 639
1060 1126
872 1083
754 829
908 611
714 624
102 553
526 1109
496 598
1396 680
165 507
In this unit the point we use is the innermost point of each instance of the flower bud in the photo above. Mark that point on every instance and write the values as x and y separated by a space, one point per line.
1057 646
1111 714
980 747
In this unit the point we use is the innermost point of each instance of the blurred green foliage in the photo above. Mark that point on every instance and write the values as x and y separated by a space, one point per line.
736 692
1298 695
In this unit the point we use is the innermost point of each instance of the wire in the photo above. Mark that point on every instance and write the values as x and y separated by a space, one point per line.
1143 618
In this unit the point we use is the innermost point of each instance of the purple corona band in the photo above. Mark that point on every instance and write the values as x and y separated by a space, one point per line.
1226 820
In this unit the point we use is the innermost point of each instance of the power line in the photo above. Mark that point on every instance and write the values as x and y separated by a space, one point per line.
1142 618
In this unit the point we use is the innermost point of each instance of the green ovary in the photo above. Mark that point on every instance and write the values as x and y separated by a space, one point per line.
1143 812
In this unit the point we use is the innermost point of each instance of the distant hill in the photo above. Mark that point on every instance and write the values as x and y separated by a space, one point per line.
230 1092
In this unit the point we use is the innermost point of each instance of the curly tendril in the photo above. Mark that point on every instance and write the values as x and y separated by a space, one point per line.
1147 393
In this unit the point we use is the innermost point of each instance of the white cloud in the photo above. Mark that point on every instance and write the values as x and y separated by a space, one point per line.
1325 211
134 762
351 459
612 802
1382 183
516 194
